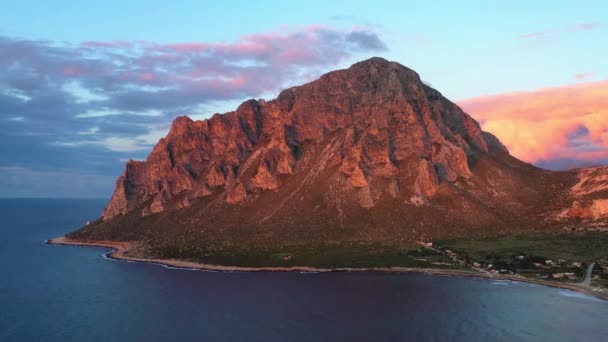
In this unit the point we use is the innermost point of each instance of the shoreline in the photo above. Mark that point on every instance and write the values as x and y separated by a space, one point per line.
118 250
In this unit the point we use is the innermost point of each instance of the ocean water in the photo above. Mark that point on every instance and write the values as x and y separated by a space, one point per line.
70 293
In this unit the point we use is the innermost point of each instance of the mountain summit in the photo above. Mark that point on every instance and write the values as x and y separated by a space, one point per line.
369 153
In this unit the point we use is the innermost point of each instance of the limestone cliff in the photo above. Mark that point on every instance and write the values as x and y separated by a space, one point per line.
366 153
390 128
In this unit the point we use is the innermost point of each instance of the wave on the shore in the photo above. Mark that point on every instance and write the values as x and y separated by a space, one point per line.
579 295
503 282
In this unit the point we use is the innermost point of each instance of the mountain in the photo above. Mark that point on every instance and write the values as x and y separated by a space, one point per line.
366 154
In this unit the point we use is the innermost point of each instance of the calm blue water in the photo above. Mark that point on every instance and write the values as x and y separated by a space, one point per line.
69 293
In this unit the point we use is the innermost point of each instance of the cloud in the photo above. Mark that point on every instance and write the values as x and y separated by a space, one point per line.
559 127
564 29
84 106
365 41
585 75
542 40
145 75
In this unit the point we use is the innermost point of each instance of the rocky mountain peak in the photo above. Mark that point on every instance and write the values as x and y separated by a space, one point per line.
384 132
368 154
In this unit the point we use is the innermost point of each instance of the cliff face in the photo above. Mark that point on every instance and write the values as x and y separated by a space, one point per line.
387 125
589 196
366 153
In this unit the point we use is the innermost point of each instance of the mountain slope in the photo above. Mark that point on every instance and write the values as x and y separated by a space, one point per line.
369 153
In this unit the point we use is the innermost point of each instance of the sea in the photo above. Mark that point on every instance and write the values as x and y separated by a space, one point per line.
72 293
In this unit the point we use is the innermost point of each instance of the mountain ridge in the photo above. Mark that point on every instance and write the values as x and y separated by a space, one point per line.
252 130
365 153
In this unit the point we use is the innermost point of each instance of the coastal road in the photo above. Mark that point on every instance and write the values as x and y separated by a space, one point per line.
587 281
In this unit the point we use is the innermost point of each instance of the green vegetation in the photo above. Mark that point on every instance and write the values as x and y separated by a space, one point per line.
562 257
545 256
323 256
600 273
584 247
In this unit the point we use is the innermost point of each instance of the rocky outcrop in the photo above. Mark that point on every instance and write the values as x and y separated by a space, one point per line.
589 196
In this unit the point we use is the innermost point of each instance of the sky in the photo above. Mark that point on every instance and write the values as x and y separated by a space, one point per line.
85 87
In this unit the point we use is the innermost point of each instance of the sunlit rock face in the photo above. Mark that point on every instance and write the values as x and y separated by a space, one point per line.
589 195
369 148
389 126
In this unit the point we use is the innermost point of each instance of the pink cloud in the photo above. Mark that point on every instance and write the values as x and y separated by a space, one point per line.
239 81
146 76
539 34
569 122
136 75
71 71
585 26
553 31
188 47
585 75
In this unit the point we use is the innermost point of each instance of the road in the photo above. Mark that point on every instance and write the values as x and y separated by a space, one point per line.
587 281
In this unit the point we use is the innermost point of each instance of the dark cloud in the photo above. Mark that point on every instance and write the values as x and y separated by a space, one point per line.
366 41
82 109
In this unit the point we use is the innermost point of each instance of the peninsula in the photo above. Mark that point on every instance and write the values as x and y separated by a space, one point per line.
365 168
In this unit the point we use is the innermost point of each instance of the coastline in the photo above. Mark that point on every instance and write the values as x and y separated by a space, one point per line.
119 250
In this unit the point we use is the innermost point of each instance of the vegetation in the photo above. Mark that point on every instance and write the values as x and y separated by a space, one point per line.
600 273
340 255
548 256
585 247
562 257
